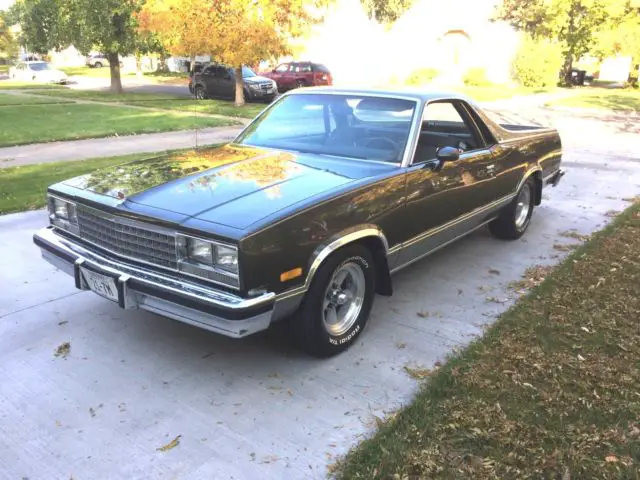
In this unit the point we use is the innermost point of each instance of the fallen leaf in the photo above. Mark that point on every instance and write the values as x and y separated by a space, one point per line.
172 444
63 350
611 459
493 271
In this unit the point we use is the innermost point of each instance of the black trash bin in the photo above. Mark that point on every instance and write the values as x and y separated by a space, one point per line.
577 76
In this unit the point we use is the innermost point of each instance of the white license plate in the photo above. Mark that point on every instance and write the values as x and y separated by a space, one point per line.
101 284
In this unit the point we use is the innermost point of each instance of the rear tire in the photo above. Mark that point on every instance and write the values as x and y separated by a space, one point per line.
336 307
300 84
515 218
97 65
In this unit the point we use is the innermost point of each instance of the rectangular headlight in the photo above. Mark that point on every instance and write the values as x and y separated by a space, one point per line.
62 213
208 259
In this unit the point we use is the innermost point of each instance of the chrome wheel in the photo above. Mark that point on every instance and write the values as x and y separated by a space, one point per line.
199 93
343 298
523 206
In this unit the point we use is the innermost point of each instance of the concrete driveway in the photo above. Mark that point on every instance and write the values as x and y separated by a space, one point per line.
132 381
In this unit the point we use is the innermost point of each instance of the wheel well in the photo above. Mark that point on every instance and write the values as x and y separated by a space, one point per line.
537 176
383 276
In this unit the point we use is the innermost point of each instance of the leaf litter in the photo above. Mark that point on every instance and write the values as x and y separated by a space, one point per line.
550 391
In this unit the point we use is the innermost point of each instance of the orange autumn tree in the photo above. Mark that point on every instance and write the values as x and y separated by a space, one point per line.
183 27
233 32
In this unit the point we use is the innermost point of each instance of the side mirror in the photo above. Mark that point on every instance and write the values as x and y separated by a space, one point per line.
273 71
448 154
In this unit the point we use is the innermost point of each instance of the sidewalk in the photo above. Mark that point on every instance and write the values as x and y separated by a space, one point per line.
111 146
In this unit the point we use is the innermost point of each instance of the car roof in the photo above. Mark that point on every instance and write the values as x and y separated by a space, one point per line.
399 92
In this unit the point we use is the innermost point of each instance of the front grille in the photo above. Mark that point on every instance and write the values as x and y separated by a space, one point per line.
126 238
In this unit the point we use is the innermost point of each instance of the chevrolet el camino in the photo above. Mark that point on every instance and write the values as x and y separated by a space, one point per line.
304 216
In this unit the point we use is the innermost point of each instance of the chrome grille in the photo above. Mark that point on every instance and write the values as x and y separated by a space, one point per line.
127 238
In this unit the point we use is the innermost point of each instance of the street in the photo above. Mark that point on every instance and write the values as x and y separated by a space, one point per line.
132 381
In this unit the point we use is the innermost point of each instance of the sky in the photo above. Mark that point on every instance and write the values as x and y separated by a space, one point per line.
4 4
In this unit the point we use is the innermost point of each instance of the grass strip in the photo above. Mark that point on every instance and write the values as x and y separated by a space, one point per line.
550 391
163 101
26 124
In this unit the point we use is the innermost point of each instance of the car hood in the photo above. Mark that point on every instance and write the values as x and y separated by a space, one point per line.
257 79
232 185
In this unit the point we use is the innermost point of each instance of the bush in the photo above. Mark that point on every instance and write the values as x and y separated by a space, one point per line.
476 77
421 76
537 63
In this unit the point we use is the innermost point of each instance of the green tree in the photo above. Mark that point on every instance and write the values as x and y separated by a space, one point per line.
386 11
8 42
620 35
109 26
571 22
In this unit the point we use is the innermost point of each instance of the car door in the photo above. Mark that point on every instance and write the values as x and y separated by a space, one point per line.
207 78
445 199
227 81
302 75
279 76
21 68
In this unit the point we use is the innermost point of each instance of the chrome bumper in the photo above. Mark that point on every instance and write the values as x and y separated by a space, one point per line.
176 298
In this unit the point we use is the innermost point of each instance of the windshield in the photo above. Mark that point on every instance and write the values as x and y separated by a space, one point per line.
247 72
39 66
354 126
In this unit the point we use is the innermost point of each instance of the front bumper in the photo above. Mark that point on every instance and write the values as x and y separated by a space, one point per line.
177 298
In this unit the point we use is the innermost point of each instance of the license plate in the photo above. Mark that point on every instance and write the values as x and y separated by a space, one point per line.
103 285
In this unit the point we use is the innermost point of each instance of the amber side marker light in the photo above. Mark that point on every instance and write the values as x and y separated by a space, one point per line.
296 272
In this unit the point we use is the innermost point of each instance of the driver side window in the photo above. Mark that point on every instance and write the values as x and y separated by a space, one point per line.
282 68
444 126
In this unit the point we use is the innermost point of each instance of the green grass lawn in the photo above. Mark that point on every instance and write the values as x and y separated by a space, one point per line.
84 71
7 99
4 68
14 85
551 391
601 98
44 123
24 188
164 101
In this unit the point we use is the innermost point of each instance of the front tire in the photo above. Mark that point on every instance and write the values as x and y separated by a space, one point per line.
336 307
97 65
515 218
199 93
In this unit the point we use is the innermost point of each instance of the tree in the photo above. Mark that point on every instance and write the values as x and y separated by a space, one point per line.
109 26
572 22
182 27
8 43
620 35
386 11
234 32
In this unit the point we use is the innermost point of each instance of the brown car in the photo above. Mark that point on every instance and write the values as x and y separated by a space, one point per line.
304 216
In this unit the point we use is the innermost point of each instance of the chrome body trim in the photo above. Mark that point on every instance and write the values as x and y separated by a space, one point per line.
436 238
174 297
352 235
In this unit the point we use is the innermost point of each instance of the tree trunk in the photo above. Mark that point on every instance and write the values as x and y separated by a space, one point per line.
239 87
114 67
138 65
567 67
162 67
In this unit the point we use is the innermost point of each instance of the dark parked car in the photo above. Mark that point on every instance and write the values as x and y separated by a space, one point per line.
304 216
220 81
300 74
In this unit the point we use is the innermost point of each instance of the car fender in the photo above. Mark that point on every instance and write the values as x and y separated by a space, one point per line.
375 239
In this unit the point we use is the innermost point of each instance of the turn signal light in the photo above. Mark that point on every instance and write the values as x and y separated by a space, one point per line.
296 272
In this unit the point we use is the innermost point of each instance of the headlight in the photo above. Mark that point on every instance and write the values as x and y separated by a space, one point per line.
226 258
62 213
255 86
208 259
